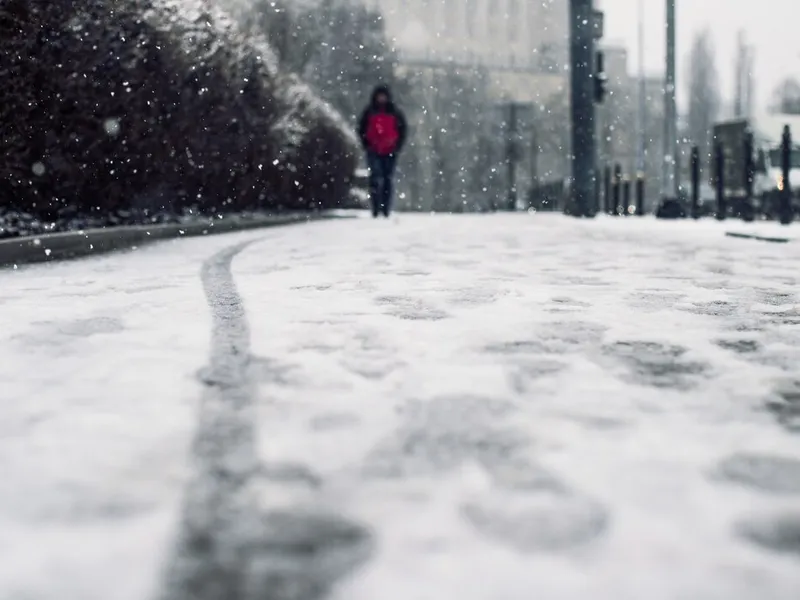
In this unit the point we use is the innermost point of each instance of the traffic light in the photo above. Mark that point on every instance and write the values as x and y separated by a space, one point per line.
600 79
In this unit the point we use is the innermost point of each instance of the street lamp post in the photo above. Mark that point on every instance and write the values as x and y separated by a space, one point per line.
640 113
582 87
671 206
671 181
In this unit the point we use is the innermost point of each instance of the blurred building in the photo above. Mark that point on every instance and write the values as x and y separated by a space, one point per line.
616 117
653 137
522 45
621 142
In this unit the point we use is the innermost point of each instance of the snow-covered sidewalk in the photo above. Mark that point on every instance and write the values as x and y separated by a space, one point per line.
494 407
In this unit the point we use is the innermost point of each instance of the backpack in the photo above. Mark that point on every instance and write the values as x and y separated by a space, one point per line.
382 133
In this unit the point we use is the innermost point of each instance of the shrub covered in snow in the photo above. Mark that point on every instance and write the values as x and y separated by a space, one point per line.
119 106
339 47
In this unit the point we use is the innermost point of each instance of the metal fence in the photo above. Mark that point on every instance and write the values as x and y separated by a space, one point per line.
735 167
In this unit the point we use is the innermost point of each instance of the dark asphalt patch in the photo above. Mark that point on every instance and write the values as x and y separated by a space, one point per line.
578 280
653 301
655 364
58 332
440 434
786 317
229 547
540 522
780 533
762 472
526 508
556 337
334 421
566 301
410 309
784 404
474 296
718 308
740 346
776 297
519 347
526 374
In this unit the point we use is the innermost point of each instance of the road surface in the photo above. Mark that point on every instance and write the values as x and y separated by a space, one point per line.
480 407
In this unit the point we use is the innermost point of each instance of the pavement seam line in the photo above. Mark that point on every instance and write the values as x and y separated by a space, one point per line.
219 517
228 545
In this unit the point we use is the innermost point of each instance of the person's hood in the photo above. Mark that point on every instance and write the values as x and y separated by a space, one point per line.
381 89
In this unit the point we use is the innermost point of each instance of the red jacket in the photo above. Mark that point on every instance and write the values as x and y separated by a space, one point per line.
382 129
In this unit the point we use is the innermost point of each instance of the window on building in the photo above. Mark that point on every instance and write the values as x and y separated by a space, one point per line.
472 16
547 57
494 18
450 17
513 20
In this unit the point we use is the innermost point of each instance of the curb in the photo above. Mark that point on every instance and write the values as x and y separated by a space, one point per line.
760 238
91 242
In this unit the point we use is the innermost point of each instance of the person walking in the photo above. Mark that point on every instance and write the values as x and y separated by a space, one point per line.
382 129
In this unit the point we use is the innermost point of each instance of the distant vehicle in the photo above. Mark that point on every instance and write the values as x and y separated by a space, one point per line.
767 132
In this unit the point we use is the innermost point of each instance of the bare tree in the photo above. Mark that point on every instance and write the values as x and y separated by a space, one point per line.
339 47
704 96
293 41
750 84
786 97
743 100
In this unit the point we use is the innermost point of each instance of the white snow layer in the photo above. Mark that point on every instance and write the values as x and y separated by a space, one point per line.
516 406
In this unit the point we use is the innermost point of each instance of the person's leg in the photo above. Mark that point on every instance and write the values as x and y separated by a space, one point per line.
375 182
388 174
380 165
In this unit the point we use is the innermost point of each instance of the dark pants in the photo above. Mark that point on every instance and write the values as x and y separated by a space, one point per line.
381 169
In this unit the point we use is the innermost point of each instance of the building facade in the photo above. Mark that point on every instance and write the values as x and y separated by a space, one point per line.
521 46
524 47
621 141
524 44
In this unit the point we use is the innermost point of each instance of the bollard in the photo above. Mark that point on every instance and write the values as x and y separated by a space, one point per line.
626 196
695 182
607 189
640 195
786 209
617 183
719 161
596 204
747 210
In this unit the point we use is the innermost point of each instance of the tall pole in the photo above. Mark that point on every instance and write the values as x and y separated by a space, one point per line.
511 156
534 157
671 182
748 85
581 51
640 115
741 65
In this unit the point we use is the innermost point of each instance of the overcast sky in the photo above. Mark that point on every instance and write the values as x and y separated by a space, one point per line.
772 26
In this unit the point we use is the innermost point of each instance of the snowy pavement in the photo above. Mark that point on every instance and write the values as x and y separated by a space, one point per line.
494 407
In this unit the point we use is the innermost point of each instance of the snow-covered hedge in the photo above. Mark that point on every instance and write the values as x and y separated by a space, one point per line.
109 105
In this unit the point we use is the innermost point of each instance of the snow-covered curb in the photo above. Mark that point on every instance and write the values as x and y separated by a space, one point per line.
760 238
60 246
764 231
